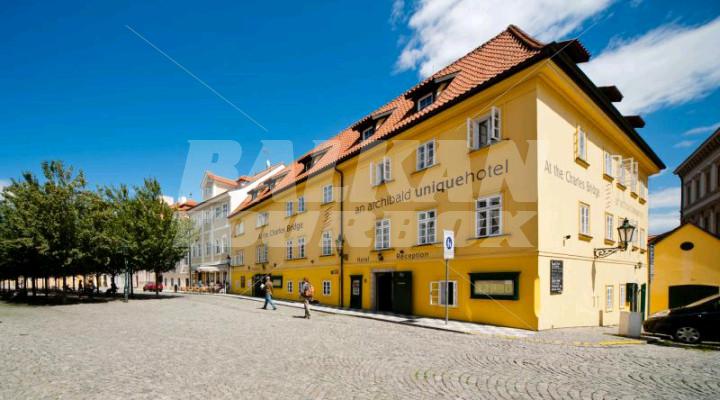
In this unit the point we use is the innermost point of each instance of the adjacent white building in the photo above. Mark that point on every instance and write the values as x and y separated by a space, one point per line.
210 255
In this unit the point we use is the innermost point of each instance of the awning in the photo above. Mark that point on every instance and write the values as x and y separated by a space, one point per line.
208 269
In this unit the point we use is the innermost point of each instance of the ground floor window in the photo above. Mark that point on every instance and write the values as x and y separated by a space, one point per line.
494 285
289 286
609 297
326 288
621 296
441 290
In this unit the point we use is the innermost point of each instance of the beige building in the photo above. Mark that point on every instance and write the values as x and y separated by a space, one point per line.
700 177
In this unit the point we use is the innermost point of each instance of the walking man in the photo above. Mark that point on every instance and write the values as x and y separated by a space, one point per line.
307 291
268 293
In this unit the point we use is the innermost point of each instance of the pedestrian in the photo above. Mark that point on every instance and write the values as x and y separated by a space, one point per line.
307 292
268 287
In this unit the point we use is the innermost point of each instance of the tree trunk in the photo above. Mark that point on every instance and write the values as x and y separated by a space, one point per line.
97 283
132 289
157 287
33 280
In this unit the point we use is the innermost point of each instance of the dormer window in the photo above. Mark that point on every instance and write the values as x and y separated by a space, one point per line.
367 133
425 101
253 194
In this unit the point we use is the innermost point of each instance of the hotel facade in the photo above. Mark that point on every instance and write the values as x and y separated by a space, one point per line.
512 148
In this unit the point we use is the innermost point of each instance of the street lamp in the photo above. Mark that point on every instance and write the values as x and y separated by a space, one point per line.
339 244
625 236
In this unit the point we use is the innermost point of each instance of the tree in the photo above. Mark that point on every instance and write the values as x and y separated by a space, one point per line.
154 231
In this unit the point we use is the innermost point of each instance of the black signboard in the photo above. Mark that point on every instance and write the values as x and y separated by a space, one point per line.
556 276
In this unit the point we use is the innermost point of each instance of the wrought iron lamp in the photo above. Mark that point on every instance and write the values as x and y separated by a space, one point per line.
625 236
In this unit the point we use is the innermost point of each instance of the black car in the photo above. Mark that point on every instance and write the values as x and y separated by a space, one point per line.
693 323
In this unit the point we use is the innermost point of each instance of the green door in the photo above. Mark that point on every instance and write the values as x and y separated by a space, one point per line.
402 292
643 289
356 291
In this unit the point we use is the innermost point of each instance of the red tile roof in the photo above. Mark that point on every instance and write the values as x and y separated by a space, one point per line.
496 59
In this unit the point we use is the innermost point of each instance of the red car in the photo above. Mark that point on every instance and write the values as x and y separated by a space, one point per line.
150 287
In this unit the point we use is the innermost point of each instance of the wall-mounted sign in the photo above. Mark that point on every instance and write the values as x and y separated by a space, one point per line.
556 276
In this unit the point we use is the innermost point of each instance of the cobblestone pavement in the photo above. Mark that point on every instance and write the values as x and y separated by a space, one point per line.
213 347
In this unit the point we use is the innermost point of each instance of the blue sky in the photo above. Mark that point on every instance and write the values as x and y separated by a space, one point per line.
82 82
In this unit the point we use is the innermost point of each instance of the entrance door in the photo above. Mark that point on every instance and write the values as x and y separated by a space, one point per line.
402 292
383 291
257 281
356 291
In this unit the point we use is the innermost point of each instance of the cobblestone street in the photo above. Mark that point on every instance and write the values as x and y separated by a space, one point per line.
214 347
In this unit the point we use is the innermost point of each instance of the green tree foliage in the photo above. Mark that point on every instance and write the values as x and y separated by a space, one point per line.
56 227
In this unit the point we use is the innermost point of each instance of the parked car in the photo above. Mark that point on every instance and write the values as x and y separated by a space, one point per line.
150 287
693 323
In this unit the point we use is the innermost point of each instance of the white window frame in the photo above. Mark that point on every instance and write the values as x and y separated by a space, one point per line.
327 194
381 172
326 288
439 288
240 257
240 228
326 243
289 286
425 157
262 219
382 234
582 142
584 219
301 247
609 298
621 296
430 95
643 241
365 135
489 208
608 164
609 227
425 219
261 253
225 209
289 208
289 249
301 204
493 134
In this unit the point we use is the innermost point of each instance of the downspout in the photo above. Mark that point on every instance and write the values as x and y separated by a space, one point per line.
342 237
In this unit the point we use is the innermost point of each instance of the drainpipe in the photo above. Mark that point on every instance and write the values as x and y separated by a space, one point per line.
342 237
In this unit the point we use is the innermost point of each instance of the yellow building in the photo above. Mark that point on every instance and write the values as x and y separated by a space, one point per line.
684 268
512 148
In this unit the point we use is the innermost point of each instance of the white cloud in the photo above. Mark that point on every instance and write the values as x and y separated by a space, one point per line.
684 144
444 30
3 184
702 129
663 221
664 209
664 198
666 66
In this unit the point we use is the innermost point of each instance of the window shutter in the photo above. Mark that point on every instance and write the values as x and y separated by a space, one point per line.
420 156
495 124
469 132
372 174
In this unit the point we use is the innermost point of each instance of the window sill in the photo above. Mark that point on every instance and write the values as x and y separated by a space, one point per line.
425 244
383 183
609 242
474 150
621 186
585 237
326 255
443 305
582 162
608 178
633 195
488 236
326 203
418 171
642 200
374 250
